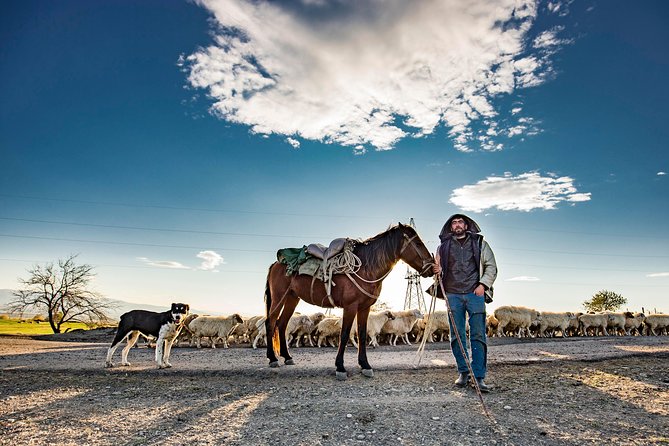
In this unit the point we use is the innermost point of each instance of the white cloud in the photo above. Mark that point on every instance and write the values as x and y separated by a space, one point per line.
162 263
370 73
523 279
658 275
210 260
524 192
661 174
293 142
549 40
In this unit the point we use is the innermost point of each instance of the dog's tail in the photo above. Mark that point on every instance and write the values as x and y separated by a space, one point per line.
268 307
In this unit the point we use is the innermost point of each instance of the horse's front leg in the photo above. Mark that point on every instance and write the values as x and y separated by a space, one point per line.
362 346
347 322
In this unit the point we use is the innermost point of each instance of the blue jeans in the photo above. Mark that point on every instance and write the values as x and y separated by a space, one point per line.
461 305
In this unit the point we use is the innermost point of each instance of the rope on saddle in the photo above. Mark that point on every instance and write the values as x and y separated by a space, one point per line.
343 263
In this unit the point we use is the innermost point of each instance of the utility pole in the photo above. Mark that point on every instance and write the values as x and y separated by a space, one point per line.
414 296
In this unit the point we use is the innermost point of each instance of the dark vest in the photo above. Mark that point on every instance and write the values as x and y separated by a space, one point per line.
460 263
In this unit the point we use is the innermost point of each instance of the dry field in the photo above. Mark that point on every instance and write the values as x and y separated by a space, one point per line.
552 392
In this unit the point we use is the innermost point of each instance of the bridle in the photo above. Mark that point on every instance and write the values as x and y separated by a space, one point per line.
409 241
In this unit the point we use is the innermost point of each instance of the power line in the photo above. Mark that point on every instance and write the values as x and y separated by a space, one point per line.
290 214
178 208
132 244
625 270
186 231
102 265
581 253
140 228
260 250
248 271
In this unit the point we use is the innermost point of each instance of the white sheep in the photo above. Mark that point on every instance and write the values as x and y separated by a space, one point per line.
328 331
574 324
401 325
186 335
375 322
299 325
617 321
215 327
260 332
521 318
635 323
598 322
316 318
240 333
438 324
418 330
252 328
657 323
554 321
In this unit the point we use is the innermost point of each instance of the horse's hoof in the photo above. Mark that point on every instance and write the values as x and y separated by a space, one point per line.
109 365
274 364
341 376
289 362
369 373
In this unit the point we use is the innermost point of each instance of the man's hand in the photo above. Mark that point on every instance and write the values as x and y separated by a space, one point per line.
479 290
436 267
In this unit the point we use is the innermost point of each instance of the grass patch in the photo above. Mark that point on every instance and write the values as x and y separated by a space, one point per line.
30 327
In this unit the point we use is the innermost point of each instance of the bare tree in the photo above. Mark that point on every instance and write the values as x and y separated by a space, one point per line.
62 291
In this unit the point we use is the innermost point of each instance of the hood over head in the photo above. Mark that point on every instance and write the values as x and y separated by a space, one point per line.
446 230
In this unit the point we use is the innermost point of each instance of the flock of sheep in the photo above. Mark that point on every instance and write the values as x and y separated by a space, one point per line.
521 321
387 326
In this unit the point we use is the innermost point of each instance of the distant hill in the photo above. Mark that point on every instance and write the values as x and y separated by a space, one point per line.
118 306
5 297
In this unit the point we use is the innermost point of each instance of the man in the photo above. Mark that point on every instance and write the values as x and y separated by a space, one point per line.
468 270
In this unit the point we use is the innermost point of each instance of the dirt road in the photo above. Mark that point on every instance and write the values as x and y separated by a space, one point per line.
553 392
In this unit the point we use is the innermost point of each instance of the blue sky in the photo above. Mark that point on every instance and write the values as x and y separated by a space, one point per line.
176 146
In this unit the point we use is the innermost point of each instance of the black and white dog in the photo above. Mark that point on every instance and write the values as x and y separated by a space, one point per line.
164 326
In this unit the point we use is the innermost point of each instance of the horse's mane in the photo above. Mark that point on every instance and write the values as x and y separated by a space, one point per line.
378 252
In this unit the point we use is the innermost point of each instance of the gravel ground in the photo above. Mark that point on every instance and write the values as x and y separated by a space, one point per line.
54 390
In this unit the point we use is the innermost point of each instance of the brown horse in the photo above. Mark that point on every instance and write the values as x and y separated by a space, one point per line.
354 294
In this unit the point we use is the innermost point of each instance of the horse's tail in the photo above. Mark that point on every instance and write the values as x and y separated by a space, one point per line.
268 307
268 294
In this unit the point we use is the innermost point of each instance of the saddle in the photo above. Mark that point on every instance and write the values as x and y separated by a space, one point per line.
321 252
321 262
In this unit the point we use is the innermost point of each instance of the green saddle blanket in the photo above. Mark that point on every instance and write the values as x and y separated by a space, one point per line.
292 258
298 261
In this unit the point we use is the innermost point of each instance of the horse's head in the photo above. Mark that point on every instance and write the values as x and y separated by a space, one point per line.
414 252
